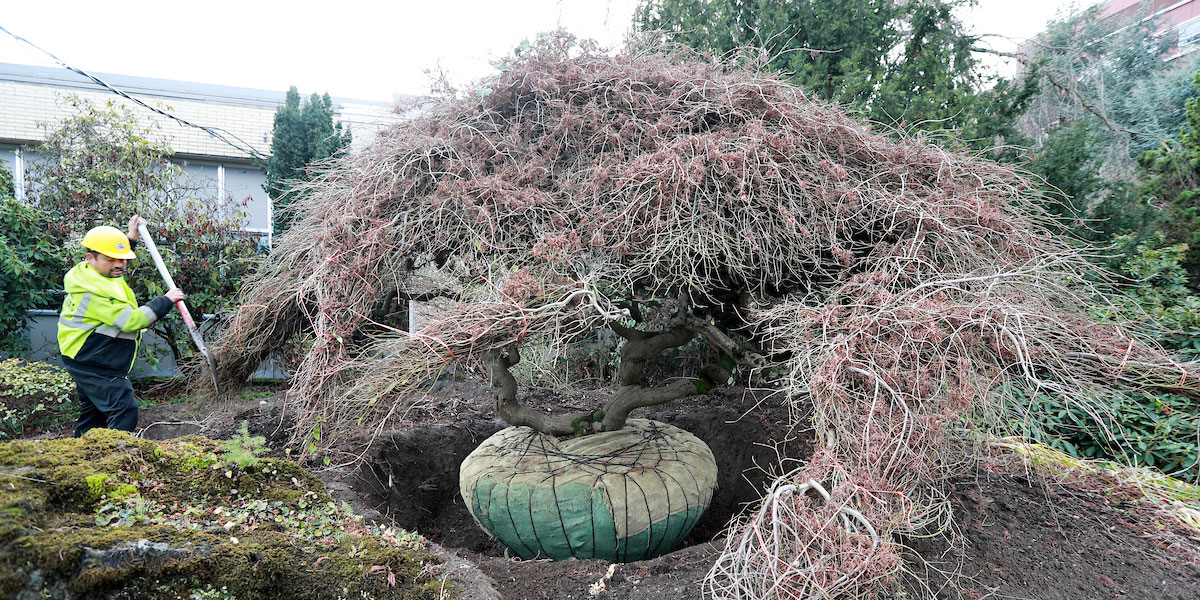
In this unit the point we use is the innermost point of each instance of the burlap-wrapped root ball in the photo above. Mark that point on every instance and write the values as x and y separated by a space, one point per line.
620 495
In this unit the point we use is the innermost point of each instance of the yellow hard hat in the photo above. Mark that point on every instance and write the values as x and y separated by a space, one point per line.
108 241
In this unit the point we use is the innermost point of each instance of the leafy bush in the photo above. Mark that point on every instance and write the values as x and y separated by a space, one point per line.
1134 428
29 265
101 165
1158 430
33 396
1158 283
6 183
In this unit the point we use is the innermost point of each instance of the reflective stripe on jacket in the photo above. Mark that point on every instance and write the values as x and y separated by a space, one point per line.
100 321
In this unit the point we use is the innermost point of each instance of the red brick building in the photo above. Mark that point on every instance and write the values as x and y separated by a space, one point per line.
1179 19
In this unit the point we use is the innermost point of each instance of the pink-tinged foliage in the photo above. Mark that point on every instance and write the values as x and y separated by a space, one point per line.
895 287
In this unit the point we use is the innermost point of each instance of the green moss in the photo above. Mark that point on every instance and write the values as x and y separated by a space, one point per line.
121 492
186 456
96 484
115 516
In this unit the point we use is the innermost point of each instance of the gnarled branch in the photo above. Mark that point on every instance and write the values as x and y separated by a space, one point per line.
498 363
629 397
637 351
639 348
736 350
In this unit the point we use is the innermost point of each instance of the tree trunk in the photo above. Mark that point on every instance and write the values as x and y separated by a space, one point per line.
516 415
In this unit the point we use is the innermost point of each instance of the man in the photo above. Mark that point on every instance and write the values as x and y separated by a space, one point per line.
100 327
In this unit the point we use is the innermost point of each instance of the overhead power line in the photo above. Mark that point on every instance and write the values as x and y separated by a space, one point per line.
221 134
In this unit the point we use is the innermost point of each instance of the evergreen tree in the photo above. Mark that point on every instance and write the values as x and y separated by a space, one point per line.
906 64
304 134
1176 185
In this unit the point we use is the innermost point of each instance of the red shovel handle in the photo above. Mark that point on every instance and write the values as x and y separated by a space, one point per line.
183 311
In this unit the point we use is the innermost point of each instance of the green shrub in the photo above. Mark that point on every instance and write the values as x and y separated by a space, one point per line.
31 265
1155 280
1134 428
242 449
33 395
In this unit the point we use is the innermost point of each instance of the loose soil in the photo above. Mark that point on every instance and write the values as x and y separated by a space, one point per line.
1013 536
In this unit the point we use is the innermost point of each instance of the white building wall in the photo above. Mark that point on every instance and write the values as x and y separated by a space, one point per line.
33 103
31 110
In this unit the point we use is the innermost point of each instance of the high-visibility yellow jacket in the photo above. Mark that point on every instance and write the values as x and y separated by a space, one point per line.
101 321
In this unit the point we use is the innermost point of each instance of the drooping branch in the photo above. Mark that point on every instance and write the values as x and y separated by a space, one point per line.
736 350
1178 378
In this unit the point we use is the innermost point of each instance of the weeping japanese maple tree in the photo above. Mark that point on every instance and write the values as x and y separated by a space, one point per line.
891 285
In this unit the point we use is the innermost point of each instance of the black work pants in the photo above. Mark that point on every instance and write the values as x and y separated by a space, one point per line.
104 401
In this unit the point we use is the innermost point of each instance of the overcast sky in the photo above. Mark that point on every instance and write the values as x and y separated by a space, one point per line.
349 48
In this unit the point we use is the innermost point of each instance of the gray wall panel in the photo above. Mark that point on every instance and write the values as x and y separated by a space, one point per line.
8 157
201 178
242 182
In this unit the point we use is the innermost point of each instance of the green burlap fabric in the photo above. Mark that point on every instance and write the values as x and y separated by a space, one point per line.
620 496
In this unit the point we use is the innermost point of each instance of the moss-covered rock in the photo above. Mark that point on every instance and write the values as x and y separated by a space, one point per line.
113 516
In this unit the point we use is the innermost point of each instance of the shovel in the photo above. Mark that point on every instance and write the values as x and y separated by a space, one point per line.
187 316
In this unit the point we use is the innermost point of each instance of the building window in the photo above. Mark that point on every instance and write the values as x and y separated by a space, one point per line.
1189 32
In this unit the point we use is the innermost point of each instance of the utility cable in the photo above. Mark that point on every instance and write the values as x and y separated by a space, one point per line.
221 134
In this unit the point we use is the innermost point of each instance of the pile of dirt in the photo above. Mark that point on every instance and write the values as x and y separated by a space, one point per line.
1016 539
1013 536
112 516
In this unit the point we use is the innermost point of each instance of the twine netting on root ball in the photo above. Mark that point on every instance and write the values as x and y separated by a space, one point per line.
894 286
624 495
